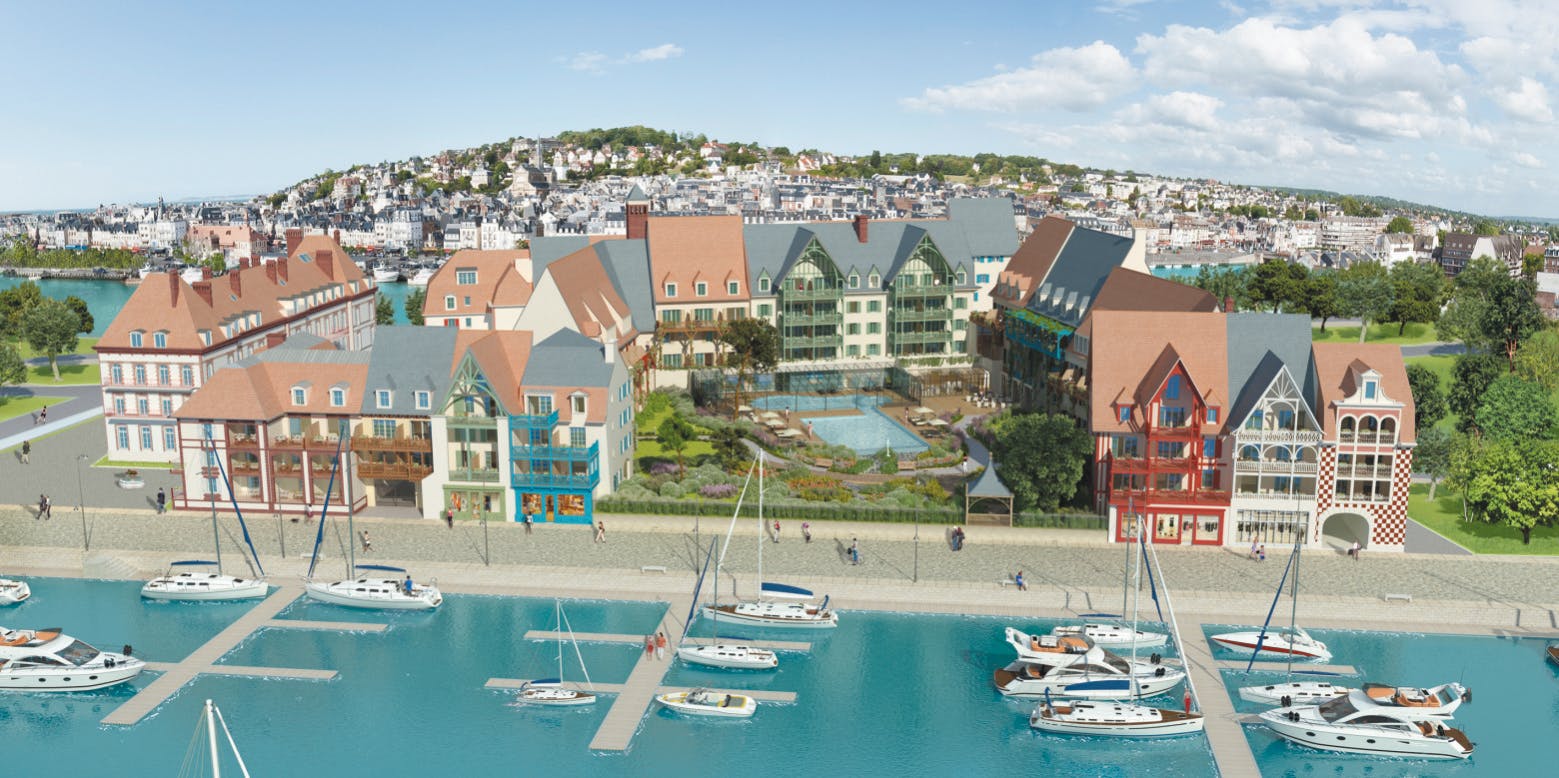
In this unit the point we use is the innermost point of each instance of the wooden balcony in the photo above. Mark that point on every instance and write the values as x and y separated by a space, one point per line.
374 443
241 440
402 471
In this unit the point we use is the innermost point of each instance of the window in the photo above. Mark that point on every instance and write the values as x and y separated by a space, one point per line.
299 397
852 351
960 325
852 329
855 281
465 277
160 339
671 360
765 310
1171 417
960 303
123 434
382 398
146 438
579 403
163 375
143 407
170 440
576 437
1369 390
116 374
385 428
337 397
671 317
873 306
539 404
1167 450
140 375
671 290
1210 447
853 307
874 281
1212 415
701 289
449 302
982 278
167 406
872 349
962 279
1285 419
732 287
704 314
119 405
1124 413
187 376
1172 388
135 340
873 328
763 284
424 400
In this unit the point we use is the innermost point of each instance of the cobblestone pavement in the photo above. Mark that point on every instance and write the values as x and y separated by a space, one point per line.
1073 565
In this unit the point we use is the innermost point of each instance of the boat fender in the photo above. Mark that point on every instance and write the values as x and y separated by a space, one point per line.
1155 658
1466 695
108 661
1159 672
1286 701
126 652
1293 715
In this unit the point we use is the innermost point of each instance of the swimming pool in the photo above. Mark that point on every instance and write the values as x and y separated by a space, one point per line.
867 433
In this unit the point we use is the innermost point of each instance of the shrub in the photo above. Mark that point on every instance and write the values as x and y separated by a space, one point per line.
671 489
718 491
664 468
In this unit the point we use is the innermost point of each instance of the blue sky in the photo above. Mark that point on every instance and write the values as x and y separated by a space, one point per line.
1440 101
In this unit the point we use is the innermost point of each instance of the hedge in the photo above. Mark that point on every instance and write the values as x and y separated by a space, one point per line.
837 512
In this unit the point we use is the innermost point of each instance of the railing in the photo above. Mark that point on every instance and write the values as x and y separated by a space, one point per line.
922 336
375 443
922 314
918 290
811 319
473 474
825 293
557 480
404 471
551 453
242 440
812 341
245 467
1366 437
1276 436
530 421
1184 432
1173 496
1274 466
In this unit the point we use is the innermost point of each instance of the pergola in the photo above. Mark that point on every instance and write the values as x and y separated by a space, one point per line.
988 489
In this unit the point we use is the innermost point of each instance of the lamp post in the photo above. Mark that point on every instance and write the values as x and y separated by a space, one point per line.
915 577
81 505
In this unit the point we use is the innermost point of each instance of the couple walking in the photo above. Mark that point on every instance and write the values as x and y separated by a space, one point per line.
655 645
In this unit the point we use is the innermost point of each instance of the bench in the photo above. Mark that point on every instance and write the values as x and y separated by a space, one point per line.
652 569
1006 582
1399 597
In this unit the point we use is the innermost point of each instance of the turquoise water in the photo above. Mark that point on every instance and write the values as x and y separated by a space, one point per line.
105 298
885 694
819 402
1512 719
867 433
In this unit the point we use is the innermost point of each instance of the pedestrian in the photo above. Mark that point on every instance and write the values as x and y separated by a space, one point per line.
308 513
43 505
806 531
776 530
1253 545
368 545
1354 551
43 415
855 552
449 517
964 465
26 452
1021 584
527 522
48 507
649 646
600 532
162 501
660 645
1261 553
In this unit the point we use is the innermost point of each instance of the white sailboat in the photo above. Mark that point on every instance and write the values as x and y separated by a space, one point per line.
48 660
179 583
1357 723
1121 719
1289 643
363 589
13 592
552 691
729 656
1116 637
787 614
210 717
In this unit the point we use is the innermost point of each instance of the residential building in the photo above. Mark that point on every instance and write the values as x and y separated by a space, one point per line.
481 290
1462 248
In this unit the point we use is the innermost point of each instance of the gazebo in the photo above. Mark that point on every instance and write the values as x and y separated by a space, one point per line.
992 493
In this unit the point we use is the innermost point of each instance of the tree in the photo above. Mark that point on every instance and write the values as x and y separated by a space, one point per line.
754 347
1429 405
1040 458
1485 228
1432 455
1511 316
51 328
673 435
1226 283
1532 264
384 310
1400 225
12 369
1514 485
1538 359
413 306
1516 410
1472 290
1364 291
79 307
14 305
1277 283
1470 377
1320 299
1418 291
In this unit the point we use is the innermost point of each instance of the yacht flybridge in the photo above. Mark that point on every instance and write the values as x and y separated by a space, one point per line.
48 660
1357 723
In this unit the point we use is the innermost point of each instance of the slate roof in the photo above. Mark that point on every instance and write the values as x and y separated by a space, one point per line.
628 267
1067 291
988 485
988 224
1259 346
406 360
567 358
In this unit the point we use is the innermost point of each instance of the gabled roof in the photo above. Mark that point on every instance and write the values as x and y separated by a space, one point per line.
684 250
1031 262
1337 364
628 265
1128 290
569 359
1143 344
501 356
586 290
637 195
989 224
503 278
1067 292
1259 346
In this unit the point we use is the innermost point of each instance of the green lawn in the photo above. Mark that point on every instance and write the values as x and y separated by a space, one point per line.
1379 333
694 449
1444 516
83 346
123 464
12 407
1442 367
69 374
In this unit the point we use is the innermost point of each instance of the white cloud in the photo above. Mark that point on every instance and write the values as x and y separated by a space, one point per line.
597 63
1072 79
1527 102
1120 7
1181 109
1526 160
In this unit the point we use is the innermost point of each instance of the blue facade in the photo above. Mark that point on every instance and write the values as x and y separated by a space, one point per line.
552 483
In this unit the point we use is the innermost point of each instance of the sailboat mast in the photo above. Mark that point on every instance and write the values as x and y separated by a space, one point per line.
761 528
1136 597
211 735
1124 582
1293 613
557 606
216 536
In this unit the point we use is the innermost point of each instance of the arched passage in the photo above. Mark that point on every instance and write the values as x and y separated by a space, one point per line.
1342 530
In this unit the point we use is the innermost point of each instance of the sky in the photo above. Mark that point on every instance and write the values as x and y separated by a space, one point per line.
1445 102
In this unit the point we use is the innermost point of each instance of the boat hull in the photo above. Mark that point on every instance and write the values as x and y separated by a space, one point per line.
369 594
1114 638
1168 723
1349 740
1013 683
729 657
70 679
14 592
781 616
1271 646
203 588
737 706
555 697
1298 692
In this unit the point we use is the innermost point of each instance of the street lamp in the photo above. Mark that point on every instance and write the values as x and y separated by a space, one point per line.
915 578
81 505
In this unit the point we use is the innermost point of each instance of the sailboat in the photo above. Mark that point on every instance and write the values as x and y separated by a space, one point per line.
182 583
731 656
794 611
1121 719
551 691
1291 642
210 717
363 589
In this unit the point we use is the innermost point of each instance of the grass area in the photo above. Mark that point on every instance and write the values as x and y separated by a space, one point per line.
83 346
12 407
128 465
69 374
1379 333
1441 366
1444 515
694 449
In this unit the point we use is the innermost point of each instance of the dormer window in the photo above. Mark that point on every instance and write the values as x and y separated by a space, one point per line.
855 281
671 290
135 339
465 277
1369 390
205 337
578 404
1212 415
300 395
874 281
382 399
160 339
962 278
1123 413
763 284
337 397
732 287
424 400
701 289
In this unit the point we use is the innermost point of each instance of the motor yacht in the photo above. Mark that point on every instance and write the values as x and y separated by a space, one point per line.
1356 723
1076 668
191 585
377 593
423 275
1276 642
1114 719
703 702
551 691
729 656
1040 647
1116 637
13 592
47 660
385 273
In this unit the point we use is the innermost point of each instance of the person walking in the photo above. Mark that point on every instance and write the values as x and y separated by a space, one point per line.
368 545
48 507
449 517
660 645
162 501
1261 553
806 532
308 513
26 452
776 530
1018 579
600 532
43 505
43 416
1353 551
855 552
527 523
649 646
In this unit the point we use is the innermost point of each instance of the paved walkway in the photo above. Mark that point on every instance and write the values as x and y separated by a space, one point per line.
54 471
1423 540
79 400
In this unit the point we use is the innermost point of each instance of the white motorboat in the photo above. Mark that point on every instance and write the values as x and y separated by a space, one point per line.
384 273
47 660
703 702
377 593
1095 676
552 691
13 592
1116 637
729 656
1294 641
1438 701
1356 723
1292 693
423 275
192 274
1114 719
202 586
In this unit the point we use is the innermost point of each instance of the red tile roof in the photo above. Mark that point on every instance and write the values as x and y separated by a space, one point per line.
687 249
1338 364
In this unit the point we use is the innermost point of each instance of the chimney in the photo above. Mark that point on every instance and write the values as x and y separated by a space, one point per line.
270 272
861 220
203 288
235 280
327 263
294 237
205 273
281 268
1228 305
275 339
173 288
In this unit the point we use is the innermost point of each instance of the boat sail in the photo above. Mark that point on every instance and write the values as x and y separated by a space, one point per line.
732 656
551 691
364 591
182 583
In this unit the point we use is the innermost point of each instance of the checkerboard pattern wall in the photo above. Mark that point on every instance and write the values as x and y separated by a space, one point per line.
1388 522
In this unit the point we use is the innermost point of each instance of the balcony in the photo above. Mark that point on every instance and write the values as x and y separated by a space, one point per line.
580 481
817 319
688 326
1149 497
401 471
918 290
473 474
549 453
922 336
534 421
1366 437
1291 437
374 443
791 294
1189 432
812 341
907 314
1274 467
242 440
245 468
